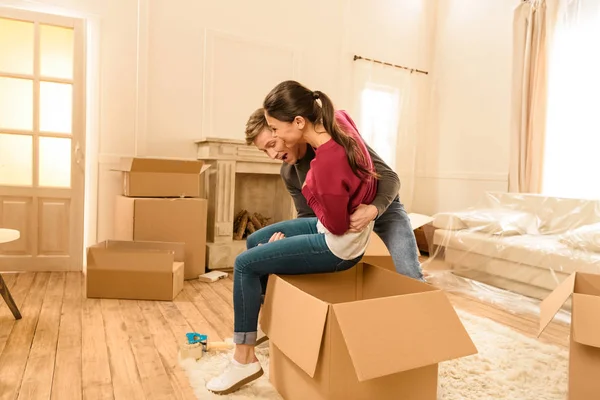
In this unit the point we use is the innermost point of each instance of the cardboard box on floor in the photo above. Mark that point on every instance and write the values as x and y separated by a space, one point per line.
584 351
365 333
377 252
156 177
167 220
135 270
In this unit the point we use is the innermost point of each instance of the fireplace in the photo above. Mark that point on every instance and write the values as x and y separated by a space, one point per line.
241 178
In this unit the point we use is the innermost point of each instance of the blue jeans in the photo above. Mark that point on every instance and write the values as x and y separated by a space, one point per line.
302 251
395 230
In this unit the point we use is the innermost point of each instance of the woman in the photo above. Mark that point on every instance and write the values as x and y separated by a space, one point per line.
342 177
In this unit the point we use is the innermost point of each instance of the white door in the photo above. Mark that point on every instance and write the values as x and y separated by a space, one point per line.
42 132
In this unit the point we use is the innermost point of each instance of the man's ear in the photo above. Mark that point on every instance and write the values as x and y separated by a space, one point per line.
300 122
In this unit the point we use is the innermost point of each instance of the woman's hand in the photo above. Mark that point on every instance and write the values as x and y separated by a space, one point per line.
276 236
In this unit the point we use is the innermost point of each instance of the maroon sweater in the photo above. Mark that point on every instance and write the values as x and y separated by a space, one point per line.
332 190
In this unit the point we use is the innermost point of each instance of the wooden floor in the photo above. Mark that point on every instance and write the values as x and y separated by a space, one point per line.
70 347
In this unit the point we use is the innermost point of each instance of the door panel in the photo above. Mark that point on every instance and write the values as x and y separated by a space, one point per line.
42 126
15 212
53 233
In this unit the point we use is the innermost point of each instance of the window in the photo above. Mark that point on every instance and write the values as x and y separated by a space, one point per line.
571 159
379 119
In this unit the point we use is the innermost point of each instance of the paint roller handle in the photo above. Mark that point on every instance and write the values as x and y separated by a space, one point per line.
219 346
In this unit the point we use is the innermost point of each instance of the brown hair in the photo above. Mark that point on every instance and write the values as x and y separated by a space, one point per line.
255 125
290 99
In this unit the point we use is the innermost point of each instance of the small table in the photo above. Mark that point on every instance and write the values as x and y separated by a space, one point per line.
9 235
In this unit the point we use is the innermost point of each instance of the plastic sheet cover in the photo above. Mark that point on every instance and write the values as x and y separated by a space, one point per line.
512 250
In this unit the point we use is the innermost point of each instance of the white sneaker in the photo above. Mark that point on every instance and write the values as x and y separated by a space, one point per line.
234 377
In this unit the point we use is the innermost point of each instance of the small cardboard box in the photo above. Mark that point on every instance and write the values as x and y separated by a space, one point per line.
166 220
364 333
156 177
584 352
135 270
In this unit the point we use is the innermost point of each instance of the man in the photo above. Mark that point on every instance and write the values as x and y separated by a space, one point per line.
392 223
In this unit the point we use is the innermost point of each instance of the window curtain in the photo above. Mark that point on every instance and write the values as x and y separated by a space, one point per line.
532 26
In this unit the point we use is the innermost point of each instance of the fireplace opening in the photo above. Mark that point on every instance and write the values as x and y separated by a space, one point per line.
260 200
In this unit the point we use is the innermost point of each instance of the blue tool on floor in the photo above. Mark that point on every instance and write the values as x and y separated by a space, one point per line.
194 337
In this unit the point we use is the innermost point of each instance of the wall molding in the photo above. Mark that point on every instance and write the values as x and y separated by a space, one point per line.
215 40
457 175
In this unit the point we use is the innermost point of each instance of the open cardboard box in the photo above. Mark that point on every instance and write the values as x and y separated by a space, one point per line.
157 177
584 352
135 270
364 333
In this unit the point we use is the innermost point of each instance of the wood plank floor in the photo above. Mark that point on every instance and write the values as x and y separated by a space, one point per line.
70 347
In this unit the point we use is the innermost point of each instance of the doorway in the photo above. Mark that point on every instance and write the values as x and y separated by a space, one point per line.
42 140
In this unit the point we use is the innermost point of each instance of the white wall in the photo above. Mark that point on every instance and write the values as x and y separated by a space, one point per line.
204 66
465 148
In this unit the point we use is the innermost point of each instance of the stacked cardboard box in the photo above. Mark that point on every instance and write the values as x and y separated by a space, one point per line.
162 203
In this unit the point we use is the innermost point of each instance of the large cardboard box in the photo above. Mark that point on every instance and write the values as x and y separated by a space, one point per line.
135 270
166 220
155 177
584 353
365 333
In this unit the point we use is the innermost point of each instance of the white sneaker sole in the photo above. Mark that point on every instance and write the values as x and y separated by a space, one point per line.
239 384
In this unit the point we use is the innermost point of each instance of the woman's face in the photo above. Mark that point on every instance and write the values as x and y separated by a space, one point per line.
291 133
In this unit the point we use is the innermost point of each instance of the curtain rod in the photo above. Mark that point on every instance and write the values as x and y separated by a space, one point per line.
390 64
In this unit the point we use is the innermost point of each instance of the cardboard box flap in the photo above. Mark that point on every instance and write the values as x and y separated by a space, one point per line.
418 220
553 303
177 248
162 166
394 334
586 328
123 259
376 247
294 321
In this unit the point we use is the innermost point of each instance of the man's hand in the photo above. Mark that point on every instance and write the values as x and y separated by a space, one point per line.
363 215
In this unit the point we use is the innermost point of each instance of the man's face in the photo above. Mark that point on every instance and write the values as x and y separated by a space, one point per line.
275 147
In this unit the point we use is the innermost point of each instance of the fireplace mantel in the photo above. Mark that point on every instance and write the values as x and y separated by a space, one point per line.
230 160
248 159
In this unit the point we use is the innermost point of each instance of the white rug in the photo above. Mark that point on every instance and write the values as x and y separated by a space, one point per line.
509 365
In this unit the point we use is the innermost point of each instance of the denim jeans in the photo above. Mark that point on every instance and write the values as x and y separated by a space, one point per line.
395 230
303 251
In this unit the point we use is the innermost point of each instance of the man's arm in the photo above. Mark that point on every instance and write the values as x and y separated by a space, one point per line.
388 185
302 208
